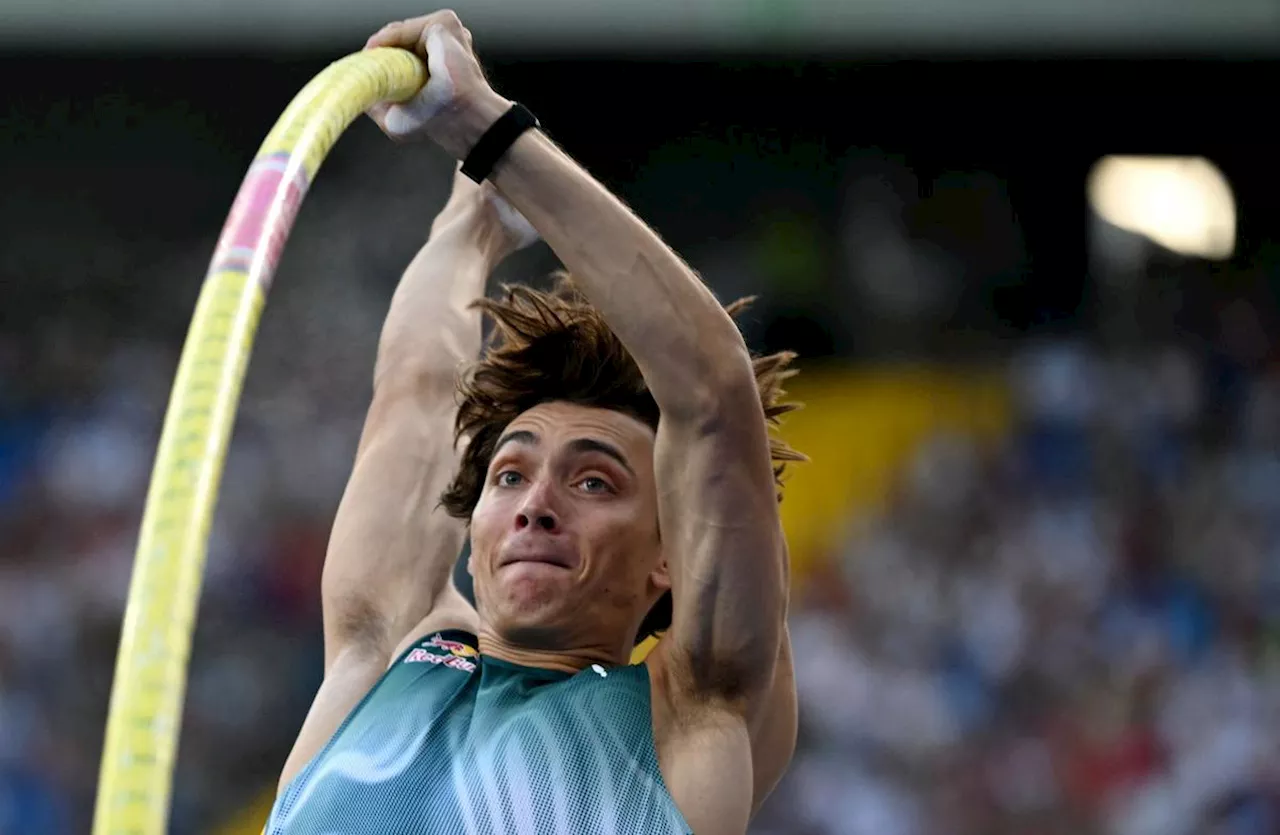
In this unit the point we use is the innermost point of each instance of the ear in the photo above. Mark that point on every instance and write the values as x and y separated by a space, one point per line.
660 576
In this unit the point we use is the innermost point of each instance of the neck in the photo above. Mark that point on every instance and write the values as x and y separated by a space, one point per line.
562 660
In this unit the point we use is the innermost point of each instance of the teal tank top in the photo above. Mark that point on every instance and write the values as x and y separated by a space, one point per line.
449 741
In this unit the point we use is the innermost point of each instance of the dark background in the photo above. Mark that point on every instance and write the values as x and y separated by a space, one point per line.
117 171
155 146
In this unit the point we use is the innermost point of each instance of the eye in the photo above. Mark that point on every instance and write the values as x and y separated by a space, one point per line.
595 484
509 478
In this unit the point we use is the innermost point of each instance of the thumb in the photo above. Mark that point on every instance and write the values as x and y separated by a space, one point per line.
400 120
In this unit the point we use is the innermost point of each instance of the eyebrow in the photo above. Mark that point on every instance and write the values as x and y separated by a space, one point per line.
583 445
519 436
578 445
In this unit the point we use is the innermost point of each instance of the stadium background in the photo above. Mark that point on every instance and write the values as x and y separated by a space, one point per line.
1038 548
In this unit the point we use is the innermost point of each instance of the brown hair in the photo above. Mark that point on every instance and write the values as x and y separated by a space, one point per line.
554 346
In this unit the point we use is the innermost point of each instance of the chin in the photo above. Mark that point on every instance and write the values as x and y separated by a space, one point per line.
526 614
533 605
531 588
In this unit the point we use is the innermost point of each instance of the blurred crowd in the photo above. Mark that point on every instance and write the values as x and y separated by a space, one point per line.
1074 631
84 380
1071 632
75 457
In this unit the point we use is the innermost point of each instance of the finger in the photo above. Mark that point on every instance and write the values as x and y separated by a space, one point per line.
403 34
410 34
448 20
378 113
409 117
437 49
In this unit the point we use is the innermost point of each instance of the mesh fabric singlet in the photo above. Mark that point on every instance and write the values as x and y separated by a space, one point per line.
452 742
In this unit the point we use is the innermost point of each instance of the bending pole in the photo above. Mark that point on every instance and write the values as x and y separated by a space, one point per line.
136 774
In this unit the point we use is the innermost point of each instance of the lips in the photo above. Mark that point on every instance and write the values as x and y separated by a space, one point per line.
538 547
517 554
543 559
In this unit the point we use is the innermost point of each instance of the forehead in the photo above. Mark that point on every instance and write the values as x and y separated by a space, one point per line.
557 422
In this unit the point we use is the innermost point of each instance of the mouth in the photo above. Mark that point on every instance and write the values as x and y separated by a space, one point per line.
537 559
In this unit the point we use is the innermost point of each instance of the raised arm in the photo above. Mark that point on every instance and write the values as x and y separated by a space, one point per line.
717 496
718 505
392 548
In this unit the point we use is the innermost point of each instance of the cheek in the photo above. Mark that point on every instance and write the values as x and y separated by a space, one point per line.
609 523
626 539
486 524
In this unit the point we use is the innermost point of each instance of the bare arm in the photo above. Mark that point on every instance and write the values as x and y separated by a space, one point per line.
392 548
717 502
773 735
719 686
718 508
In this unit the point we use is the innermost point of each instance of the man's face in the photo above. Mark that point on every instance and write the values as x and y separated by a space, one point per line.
565 545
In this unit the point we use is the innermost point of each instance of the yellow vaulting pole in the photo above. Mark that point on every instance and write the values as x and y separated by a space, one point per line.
143 721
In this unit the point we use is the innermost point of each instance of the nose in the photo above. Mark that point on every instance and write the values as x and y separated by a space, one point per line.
545 520
537 511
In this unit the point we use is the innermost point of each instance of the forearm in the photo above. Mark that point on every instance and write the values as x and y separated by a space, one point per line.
679 334
392 548
712 447
429 331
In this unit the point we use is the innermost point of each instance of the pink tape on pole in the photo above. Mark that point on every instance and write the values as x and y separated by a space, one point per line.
260 219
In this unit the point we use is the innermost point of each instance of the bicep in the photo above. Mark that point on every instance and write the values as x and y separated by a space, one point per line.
392 548
723 538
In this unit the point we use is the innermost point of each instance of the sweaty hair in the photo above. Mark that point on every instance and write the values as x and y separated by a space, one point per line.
554 346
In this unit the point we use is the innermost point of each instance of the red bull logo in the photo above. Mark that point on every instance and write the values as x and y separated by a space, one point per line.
458 653
457 648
